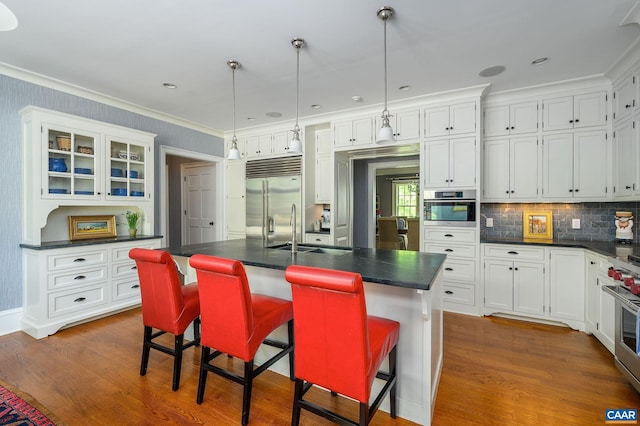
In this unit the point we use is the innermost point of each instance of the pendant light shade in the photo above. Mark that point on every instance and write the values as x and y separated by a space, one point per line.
295 146
234 152
8 20
385 135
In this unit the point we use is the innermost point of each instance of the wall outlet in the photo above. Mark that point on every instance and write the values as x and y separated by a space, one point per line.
489 222
575 223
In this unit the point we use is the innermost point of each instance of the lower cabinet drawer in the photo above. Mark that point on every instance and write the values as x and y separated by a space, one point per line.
65 303
520 252
459 270
76 278
126 289
316 239
124 269
459 293
452 250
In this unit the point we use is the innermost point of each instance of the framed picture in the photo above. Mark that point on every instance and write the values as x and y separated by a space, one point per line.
537 224
85 227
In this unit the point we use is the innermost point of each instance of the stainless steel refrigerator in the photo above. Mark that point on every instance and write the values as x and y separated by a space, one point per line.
271 190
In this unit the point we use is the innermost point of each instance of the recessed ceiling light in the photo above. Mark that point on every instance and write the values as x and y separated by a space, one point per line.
274 114
539 61
169 85
315 106
491 71
404 88
356 98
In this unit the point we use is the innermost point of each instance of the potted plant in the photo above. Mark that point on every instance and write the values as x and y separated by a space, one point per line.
132 220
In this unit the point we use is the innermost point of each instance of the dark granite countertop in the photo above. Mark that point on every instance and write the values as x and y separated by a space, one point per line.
605 248
400 268
49 245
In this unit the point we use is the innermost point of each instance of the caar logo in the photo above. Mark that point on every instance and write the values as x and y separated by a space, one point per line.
621 416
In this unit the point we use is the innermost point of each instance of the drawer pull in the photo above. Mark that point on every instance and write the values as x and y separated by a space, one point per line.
80 259
448 269
80 299
448 235
448 292
80 277
513 252
134 267
450 250
135 286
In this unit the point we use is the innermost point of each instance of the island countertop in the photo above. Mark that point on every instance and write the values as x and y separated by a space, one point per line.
400 268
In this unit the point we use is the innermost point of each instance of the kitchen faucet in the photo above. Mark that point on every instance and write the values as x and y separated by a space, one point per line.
294 241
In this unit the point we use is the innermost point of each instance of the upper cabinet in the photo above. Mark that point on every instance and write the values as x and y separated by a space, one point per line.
502 120
405 124
73 161
573 112
450 163
353 132
450 120
267 145
624 98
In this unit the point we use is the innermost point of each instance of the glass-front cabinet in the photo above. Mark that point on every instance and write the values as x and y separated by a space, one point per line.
127 164
70 164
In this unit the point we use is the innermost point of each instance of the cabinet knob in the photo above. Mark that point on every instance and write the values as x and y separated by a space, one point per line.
627 187
592 262
510 268
570 121
446 128
577 119
576 190
507 128
512 191
515 269
448 292
571 190
506 192
512 127
627 106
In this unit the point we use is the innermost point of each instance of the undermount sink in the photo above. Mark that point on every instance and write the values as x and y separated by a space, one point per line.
303 248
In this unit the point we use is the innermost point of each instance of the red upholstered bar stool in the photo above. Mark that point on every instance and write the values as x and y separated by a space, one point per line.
236 322
338 346
167 306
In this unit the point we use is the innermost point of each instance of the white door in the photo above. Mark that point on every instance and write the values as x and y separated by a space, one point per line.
523 118
624 159
557 166
341 214
524 168
528 288
496 121
462 118
496 169
590 169
436 164
567 284
199 184
436 121
498 284
590 110
462 162
557 113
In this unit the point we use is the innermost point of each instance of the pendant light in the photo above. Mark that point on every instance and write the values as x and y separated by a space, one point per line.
234 152
295 146
385 135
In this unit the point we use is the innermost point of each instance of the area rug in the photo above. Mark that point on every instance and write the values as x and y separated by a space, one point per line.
21 410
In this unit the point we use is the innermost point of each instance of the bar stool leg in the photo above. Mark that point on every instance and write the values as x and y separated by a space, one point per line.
177 361
248 385
297 396
202 381
145 350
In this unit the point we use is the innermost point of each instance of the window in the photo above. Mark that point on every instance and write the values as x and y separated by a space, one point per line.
405 198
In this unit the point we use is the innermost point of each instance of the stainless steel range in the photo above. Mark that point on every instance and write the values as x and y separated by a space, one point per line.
627 305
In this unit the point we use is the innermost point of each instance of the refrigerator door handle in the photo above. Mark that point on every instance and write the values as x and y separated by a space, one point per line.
265 207
270 225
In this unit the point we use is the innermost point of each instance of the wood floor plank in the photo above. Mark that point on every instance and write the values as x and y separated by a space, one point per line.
496 372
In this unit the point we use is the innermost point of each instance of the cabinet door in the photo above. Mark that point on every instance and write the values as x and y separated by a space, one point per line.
623 98
342 133
363 131
557 114
496 121
235 188
523 118
323 142
590 164
523 174
607 319
496 169
129 165
498 284
566 284
407 125
280 142
592 293
436 164
590 110
528 288
625 141
557 166
462 162
462 118
241 147
253 146
436 121
323 175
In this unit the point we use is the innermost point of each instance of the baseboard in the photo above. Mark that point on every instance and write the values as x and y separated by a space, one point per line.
10 321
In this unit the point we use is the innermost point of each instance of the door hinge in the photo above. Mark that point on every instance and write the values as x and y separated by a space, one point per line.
597 326
614 95
185 212
606 117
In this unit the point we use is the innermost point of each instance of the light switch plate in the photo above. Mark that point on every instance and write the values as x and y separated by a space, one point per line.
489 222
575 223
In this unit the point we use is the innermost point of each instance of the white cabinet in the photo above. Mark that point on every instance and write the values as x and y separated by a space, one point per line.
315 238
73 161
625 159
235 206
450 120
514 279
567 286
353 132
323 168
405 125
240 143
65 285
624 94
573 112
600 306
280 142
450 163
460 267
267 144
574 165
502 120
510 169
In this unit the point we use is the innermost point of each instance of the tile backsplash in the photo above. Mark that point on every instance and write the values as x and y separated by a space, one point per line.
596 219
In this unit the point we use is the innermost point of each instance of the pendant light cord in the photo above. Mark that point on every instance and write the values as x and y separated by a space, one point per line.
233 79
297 85
386 111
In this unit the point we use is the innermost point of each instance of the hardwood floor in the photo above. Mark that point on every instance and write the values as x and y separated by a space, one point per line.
496 372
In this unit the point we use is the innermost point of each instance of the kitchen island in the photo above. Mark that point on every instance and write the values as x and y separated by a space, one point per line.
405 286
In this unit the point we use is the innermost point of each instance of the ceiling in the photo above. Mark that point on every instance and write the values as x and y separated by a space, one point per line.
127 49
